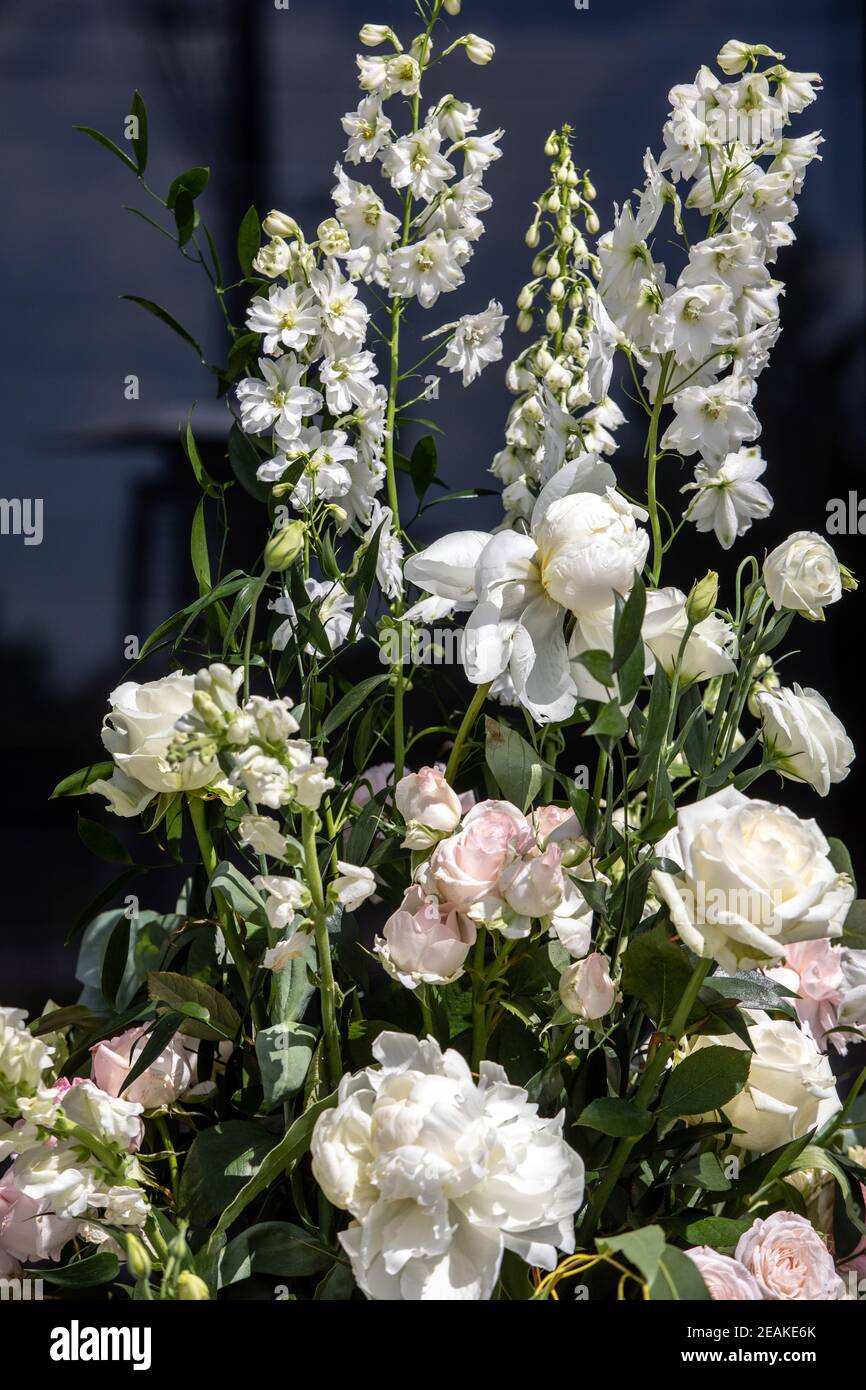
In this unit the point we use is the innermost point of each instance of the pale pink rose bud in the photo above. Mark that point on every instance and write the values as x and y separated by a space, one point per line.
29 1230
727 1280
169 1075
534 886
424 799
789 1260
586 988
555 823
813 970
465 868
425 941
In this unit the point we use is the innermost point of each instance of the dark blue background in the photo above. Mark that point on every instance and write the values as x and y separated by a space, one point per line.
257 93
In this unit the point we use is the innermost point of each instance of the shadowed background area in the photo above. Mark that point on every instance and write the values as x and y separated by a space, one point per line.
256 93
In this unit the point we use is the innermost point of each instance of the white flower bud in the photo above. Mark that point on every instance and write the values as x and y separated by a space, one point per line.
572 342
452 7
525 298
557 289
539 265
557 376
553 322
553 202
589 190
592 222
574 199
544 358
567 234
524 322
551 148
552 268
372 35
532 237
280 224
478 50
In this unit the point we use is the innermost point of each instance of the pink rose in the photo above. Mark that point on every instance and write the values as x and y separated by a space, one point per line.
555 823
28 1229
789 1260
425 941
161 1083
586 988
727 1280
813 969
465 868
534 886
428 806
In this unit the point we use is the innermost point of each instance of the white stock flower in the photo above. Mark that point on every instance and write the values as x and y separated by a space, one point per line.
285 898
805 737
279 401
262 835
353 885
803 574
755 879
288 318
790 1088
728 498
476 341
441 1175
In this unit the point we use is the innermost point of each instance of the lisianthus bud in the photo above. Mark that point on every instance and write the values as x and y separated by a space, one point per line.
701 601
191 1289
280 224
586 988
478 50
284 546
372 35
137 1258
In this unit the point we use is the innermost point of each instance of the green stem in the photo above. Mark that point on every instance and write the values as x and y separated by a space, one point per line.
251 623
644 1096
170 1155
198 816
465 729
479 1011
652 461
327 983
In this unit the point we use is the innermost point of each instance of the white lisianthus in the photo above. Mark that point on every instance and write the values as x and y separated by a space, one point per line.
263 835
755 879
353 884
711 645
476 341
23 1059
803 573
805 737
729 497
137 732
441 1175
790 1088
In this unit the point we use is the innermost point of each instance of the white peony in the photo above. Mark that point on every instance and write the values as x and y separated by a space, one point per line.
442 1174
755 878
803 733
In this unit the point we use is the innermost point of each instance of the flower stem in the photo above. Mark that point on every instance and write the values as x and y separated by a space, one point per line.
479 1011
644 1095
465 729
198 816
652 462
327 984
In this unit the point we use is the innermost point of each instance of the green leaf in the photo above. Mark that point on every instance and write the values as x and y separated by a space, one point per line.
276 1248
279 1160
245 459
854 932
115 959
422 465
346 707
719 1232
284 1052
218 1167
77 783
158 1039
643 1249
249 239
337 1286
213 1016
610 722
627 624
678 1279
193 182
102 841
621 1119
139 141
516 766
168 319
107 144
841 859
198 550
364 829
751 988
364 576
81 1274
597 663
190 448
656 972
706 1080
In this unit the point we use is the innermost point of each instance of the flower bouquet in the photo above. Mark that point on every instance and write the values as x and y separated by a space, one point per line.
493 968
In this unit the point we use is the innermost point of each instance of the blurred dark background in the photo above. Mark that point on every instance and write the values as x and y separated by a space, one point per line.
256 93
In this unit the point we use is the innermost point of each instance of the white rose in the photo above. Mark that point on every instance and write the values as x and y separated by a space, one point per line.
790 1088
589 548
711 646
803 732
803 573
137 732
755 879
442 1174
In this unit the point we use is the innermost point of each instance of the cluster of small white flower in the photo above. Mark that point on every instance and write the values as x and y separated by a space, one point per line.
314 324
73 1172
727 139
568 368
